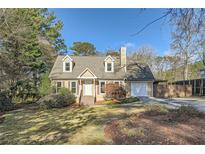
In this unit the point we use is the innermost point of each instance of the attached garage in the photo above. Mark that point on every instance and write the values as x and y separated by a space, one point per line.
139 89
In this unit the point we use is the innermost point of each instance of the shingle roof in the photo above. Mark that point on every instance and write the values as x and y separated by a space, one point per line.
135 71
138 72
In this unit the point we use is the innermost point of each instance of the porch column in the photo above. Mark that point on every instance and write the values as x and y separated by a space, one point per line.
56 87
80 87
95 87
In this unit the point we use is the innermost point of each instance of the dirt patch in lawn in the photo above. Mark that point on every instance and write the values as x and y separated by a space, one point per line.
159 129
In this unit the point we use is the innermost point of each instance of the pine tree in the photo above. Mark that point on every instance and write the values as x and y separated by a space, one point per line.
30 38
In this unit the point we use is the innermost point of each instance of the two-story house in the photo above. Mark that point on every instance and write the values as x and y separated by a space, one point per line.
87 76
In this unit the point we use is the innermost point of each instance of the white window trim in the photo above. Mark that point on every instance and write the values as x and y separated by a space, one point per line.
100 86
112 66
64 63
67 57
110 58
75 87
112 63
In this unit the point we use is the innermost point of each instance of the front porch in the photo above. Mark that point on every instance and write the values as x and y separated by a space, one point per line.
87 87
87 91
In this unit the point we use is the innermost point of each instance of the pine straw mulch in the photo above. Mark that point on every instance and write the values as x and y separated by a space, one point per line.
159 129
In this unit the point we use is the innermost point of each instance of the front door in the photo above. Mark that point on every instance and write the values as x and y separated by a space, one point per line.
88 88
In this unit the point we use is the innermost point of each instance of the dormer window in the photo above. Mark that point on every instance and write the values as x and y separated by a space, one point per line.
109 67
67 64
109 64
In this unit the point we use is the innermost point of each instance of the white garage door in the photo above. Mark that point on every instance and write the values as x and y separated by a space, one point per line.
138 89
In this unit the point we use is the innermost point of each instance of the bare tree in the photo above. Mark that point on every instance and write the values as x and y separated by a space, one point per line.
166 67
145 54
204 58
163 67
187 23
159 67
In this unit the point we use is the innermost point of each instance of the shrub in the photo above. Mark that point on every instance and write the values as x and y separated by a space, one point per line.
187 111
184 113
155 109
129 100
115 91
56 101
64 91
5 102
45 86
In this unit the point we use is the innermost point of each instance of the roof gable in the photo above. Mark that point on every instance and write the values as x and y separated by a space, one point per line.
109 59
87 73
67 59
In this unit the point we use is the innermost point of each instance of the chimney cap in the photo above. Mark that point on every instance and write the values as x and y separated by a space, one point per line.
123 47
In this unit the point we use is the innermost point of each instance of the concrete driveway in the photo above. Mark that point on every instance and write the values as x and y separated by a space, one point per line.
197 102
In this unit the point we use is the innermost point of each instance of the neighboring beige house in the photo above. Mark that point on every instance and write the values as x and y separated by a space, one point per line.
87 76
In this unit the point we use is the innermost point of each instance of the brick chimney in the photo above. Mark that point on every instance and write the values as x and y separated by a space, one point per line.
123 57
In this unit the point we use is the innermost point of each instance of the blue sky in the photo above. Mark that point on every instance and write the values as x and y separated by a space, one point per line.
112 28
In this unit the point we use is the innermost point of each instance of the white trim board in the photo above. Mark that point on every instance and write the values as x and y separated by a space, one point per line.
87 69
71 65
70 87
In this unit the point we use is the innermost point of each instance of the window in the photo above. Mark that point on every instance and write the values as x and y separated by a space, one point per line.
102 87
58 86
109 64
67 67
109 67
73 87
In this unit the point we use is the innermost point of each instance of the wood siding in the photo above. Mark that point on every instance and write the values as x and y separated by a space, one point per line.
166 91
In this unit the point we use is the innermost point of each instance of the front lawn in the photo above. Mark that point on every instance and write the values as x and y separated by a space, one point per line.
122 101
108 124
71 125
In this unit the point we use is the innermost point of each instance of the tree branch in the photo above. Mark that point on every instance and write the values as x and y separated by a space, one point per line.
147 25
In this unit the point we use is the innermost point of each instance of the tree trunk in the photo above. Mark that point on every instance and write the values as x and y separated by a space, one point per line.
186 72
186 65
204 57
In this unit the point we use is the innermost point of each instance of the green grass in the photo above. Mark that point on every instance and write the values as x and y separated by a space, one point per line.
83 125
130 100
108 102
123 101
